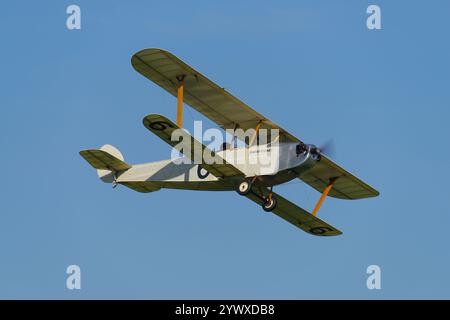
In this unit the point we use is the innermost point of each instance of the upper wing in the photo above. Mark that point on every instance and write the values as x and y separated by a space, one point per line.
346 185
163 128
202 94
296 215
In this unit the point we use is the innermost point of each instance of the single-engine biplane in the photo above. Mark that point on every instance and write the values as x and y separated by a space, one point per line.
297 160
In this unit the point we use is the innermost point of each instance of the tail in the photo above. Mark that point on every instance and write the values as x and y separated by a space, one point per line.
108 161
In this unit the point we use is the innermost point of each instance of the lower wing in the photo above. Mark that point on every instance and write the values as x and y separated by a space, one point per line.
294 214
164 128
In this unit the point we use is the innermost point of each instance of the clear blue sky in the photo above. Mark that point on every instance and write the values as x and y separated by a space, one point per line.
312 67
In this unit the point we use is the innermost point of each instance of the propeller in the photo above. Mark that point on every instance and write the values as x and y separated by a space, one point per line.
328 148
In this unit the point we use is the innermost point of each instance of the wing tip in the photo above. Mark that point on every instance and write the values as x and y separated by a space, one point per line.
328 233
148 51
84 153
160 121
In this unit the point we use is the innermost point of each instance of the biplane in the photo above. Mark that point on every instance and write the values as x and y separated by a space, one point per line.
297 160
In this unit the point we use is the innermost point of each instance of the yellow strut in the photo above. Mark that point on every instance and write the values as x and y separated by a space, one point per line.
255 135
180 101
323 196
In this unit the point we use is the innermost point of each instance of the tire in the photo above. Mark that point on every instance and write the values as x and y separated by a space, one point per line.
244 188
270 204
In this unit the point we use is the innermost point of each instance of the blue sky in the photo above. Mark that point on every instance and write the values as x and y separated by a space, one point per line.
312 67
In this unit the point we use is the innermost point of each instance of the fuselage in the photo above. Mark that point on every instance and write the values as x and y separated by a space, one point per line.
273 164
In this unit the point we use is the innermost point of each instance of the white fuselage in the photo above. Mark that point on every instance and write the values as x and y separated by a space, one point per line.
273 164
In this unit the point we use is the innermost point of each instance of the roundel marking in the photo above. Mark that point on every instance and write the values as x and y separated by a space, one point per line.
320 230
159 125
200 174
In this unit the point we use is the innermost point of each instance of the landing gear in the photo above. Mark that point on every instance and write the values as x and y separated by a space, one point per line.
244 187
270 203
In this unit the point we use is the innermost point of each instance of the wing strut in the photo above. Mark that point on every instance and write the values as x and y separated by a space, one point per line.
255 135
323 196
180 79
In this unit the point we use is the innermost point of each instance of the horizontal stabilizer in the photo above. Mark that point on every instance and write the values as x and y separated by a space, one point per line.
141 186
103 160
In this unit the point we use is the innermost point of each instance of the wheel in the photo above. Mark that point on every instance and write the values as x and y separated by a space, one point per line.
270 204
244 188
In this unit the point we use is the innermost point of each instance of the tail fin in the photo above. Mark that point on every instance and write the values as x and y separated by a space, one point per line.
108 161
